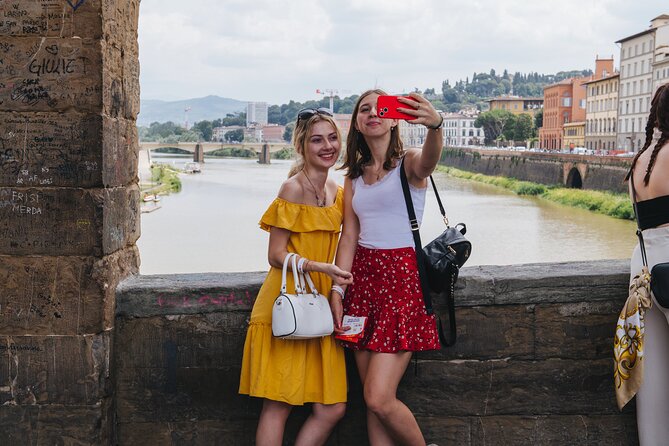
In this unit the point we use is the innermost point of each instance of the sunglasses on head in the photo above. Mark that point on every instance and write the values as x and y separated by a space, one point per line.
307 113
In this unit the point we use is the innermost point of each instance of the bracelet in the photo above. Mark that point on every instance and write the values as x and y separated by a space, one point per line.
438 126
300 264
338 289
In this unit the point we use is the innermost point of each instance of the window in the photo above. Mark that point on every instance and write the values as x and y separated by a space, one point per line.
582 104
566 102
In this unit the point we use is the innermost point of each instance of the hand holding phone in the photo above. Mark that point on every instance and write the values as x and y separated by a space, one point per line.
386 108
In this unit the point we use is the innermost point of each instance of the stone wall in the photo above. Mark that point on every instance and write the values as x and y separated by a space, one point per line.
532 365
69 219
599 173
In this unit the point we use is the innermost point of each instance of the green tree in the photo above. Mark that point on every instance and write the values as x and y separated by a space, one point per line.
205 129
235 135
494 123
539 119
234 119
524 128
288 133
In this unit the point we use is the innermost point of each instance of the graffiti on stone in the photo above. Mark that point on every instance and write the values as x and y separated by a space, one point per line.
47 151
219 300
75 4
48 74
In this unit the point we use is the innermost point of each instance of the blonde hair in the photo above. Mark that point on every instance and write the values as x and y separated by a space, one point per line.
301 136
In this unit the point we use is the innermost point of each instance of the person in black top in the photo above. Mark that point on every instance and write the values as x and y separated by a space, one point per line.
649 176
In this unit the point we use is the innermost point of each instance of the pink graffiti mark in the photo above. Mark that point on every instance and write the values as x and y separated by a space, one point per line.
75 5
205 301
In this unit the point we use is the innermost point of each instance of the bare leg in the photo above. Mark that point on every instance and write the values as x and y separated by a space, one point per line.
383 374
272 423
320 423
652 401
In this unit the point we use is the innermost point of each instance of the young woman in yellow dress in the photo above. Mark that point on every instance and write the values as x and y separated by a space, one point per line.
305 219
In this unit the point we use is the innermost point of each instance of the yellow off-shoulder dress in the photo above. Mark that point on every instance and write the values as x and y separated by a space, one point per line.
295 371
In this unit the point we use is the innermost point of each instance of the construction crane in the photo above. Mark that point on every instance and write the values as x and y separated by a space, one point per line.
186 110
331 93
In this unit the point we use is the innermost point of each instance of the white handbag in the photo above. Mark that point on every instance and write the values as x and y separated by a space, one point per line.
302 315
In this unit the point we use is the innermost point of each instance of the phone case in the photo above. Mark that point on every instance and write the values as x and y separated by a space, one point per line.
386 108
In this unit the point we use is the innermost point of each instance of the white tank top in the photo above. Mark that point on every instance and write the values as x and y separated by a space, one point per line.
382 212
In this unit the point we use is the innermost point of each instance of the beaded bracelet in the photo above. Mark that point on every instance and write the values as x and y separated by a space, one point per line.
338 289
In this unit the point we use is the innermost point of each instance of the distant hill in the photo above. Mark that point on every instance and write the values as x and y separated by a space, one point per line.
209 108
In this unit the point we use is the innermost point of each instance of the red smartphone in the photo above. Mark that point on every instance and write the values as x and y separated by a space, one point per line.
386 108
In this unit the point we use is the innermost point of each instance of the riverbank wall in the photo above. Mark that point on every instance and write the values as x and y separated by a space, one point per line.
564 169
532 364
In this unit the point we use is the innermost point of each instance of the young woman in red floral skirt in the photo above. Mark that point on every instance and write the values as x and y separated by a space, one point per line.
376 245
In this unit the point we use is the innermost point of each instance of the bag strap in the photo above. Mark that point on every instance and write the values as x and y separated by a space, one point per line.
290 257
415 232
422 274
639 234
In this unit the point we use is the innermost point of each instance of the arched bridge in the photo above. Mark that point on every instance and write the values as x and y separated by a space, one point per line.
569 170
199 149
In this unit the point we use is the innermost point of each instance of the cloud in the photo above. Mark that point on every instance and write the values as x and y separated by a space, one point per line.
280 50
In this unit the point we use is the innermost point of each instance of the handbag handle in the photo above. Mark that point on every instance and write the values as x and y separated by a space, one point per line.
291 257
314 291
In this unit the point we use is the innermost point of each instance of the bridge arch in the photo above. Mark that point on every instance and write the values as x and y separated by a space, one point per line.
574 179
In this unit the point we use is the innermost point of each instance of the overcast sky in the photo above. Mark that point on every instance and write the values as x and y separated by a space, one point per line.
278 50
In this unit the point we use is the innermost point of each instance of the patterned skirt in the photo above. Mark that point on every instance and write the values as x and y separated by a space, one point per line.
386 289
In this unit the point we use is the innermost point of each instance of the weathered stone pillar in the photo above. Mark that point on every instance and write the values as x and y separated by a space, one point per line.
198 153
69 211
264 155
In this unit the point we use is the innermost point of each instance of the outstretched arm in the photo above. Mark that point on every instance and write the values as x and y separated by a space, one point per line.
421 164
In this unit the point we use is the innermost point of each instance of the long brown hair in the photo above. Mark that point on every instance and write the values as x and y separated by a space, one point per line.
358 154
301 136
658 117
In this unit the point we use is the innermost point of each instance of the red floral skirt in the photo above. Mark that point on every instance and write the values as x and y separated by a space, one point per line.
386 289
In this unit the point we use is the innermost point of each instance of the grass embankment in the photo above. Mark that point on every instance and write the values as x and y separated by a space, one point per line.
234 152
164 179
607 203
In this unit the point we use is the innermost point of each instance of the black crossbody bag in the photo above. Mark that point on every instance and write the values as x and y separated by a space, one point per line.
659 275
440 261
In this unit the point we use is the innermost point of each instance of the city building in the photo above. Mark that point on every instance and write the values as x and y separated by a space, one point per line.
564 102
637 54
516 104
459 131
218 133
413 135
601 114
253 134
573 135
661 60
256 113
273 133
343 121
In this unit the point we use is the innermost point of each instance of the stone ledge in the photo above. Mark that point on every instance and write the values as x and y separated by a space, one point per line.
536 283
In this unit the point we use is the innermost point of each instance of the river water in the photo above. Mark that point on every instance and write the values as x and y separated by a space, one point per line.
212 224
